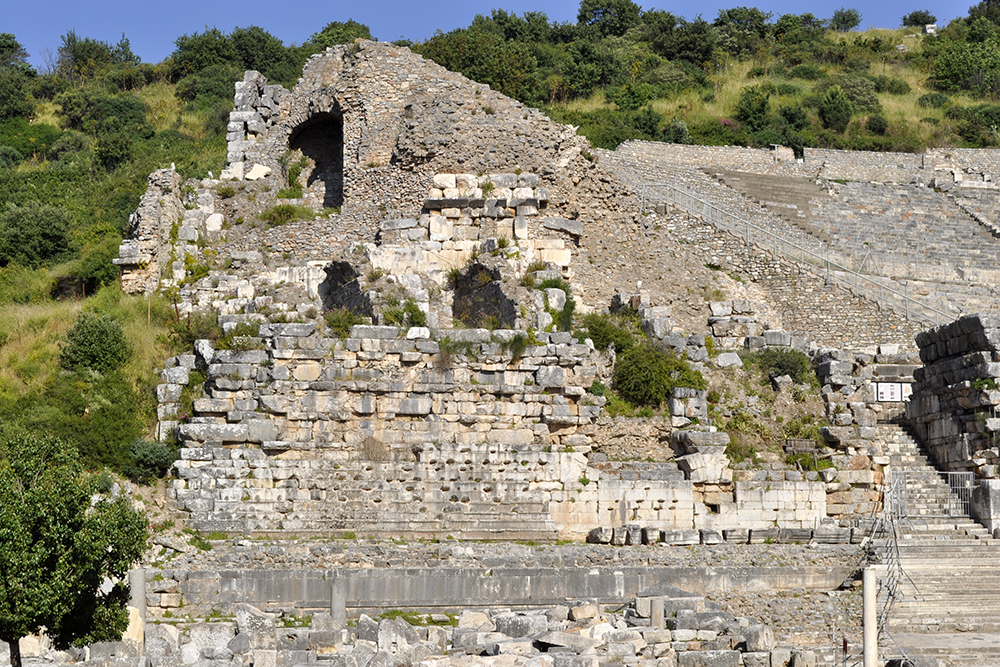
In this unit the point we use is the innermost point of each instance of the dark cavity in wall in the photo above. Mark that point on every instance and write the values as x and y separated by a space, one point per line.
341 289
321 138
480 299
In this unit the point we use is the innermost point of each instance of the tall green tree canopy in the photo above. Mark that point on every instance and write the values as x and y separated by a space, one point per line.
486 57
340 32
57 547
844 20
610 17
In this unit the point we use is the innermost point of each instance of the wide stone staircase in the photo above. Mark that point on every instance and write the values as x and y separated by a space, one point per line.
947 602
791 198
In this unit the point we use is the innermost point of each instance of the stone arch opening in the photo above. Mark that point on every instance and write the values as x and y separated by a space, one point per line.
321 139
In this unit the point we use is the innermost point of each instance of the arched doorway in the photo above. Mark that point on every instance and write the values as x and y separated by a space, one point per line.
321 139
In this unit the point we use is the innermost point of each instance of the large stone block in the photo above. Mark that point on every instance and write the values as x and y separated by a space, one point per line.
709 659
572 227
377 332
259 627
550 376
521 625
213 432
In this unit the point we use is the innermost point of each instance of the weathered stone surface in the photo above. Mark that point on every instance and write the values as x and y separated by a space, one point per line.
257 626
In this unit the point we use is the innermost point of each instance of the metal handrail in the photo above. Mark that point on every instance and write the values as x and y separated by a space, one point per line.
753 233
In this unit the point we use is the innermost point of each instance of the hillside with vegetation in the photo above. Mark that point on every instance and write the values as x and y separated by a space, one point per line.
79 137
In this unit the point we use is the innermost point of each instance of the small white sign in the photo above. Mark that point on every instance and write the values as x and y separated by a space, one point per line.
890 392
907 391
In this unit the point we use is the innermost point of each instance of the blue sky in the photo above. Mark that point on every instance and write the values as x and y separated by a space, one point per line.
152 27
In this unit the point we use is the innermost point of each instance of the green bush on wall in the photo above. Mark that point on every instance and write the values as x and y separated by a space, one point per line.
647 374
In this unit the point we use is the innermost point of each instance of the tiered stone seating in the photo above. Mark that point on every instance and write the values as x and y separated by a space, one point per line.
908 230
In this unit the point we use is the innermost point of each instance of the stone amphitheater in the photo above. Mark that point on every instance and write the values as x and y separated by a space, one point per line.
441 486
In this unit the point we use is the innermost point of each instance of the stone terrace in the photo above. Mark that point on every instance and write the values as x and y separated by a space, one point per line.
909 231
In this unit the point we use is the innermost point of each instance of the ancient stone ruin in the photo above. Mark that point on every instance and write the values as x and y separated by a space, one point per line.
400 366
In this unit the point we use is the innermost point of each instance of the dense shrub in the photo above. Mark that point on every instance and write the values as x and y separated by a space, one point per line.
69 144
620 330
806 71
339 32
795 117
778 361
210 86
859 90
10 157
99 414
835 110
933 100
28 138
752 108
113 149
891 85
152 460
96 342
33 235
647 374
15 94
877 124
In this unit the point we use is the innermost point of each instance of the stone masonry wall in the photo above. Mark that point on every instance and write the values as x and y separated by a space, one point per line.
954 404
146 251
388 434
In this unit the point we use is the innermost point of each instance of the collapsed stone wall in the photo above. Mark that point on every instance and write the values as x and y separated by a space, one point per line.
970 167
146 251
394 435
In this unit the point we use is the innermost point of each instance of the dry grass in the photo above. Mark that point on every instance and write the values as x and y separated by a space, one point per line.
48 113
164 107
29 354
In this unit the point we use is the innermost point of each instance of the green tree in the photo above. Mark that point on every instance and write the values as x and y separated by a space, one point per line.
83 57
198 51
96 342
845 20
16 77
12 54
57 547
835 110
34 234
742 29
258 49
485 57
988 9
610 17
340 32
918 19
752 108
677 39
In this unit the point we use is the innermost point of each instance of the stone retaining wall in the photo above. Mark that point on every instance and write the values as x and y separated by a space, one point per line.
955 398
